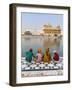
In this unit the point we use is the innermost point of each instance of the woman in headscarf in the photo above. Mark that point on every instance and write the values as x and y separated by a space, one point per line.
47 56
39 55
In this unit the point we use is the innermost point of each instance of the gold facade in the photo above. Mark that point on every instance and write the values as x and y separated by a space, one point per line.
48 31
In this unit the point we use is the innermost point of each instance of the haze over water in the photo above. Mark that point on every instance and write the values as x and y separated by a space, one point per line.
43 42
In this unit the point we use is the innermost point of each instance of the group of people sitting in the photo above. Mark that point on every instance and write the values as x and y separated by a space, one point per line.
46 57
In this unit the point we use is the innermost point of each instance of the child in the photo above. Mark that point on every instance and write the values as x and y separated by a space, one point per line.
29 55
39 55
56 57
47 56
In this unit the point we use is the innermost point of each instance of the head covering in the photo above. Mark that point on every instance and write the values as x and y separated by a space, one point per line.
30 49
39 49
47 49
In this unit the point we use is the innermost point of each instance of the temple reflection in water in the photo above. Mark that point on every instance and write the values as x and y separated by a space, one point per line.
49 37
41 41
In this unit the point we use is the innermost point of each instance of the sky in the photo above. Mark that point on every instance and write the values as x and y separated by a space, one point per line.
37 20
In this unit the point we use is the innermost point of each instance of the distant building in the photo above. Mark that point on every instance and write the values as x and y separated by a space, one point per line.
50 30
27 33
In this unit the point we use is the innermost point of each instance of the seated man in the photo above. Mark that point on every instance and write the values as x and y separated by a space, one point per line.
29 55
56 57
